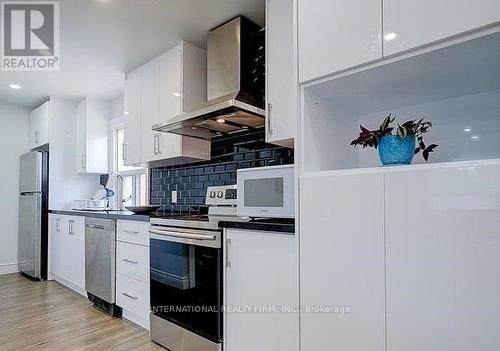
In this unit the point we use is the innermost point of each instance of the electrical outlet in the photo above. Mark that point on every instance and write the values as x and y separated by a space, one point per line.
174 196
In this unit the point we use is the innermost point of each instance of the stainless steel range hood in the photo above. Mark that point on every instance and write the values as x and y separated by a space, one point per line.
236 84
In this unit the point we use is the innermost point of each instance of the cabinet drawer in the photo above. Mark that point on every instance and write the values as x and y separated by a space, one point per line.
132 261
133 296
133 232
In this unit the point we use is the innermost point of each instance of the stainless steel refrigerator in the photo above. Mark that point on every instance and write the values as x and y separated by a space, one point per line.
33 215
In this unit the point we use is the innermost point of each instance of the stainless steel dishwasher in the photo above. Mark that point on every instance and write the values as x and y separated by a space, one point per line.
100 263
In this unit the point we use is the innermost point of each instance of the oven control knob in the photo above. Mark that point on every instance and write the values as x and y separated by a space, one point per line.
212 194
220 194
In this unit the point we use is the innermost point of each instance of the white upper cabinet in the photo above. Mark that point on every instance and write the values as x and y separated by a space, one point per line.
281 73
262 271
335 35
150 113
443 262
409 24
92 136
132 103
39 126
65 184
160 90
170 84
342 262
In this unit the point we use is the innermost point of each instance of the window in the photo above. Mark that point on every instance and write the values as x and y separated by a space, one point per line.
135 179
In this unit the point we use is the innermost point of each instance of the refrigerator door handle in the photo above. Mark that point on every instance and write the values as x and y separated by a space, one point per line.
30 233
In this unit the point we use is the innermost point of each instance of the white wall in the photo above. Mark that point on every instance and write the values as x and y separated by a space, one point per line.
14 141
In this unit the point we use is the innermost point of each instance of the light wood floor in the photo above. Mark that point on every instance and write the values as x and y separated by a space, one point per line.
48 316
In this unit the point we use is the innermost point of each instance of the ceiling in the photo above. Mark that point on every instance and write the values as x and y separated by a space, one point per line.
103 39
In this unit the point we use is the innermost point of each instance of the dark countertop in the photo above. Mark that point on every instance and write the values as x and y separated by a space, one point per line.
263 224
127 215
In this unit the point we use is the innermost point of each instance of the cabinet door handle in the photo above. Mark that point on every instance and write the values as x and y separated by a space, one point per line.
130 261
71 227
124 153
155 139
37 137
159 144
130 232
228 250
269 118
130 296
58 225
84 161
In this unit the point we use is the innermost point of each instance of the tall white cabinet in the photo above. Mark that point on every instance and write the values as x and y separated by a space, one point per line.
281 72
337 34
92 136
443 262
409 24
342 262
261 270
163 88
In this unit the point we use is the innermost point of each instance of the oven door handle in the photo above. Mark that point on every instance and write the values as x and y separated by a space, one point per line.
183 235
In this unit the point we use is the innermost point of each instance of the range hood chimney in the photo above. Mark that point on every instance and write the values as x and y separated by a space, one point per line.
235 84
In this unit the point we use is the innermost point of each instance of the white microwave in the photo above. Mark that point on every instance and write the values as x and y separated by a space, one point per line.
266 192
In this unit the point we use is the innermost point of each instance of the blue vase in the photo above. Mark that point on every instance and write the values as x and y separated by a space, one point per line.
394 150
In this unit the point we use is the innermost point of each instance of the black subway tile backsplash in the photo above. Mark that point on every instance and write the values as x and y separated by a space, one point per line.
228 155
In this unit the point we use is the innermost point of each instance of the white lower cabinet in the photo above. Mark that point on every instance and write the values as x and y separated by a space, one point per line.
133 232
342 262
132 271
133 296
443 262
67 250
413 251
261 271
132 261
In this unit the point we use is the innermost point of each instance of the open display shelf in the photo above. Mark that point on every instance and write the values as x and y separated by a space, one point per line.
456 87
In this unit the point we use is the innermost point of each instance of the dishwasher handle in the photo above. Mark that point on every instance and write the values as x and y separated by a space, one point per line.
94 226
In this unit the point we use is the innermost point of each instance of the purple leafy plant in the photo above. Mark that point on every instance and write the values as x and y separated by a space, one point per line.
416 128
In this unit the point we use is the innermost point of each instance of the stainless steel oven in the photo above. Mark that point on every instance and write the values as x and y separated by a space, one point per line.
186 286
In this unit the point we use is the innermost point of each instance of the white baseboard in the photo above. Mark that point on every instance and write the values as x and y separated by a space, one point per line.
69 285
141 322
8 268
